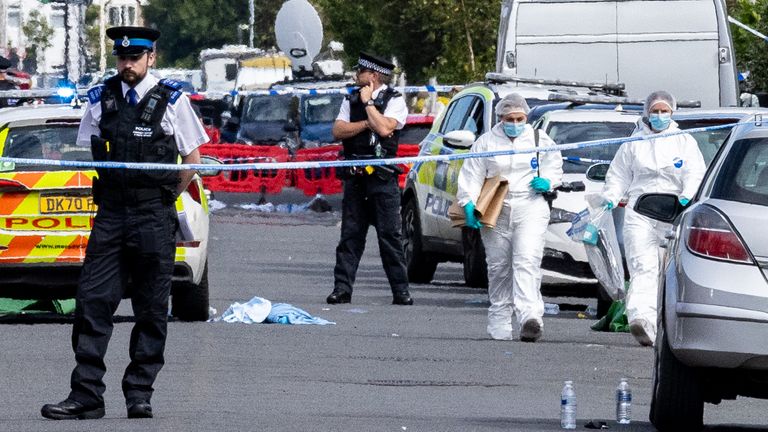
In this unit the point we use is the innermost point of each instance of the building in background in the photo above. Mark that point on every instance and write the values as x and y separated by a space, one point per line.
67 55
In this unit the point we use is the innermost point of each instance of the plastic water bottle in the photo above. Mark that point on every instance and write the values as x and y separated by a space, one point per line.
623 402
551 308
568 406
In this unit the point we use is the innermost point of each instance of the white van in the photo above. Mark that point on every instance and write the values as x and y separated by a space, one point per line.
683 47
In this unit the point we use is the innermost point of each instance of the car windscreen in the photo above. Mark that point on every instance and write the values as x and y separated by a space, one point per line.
414 134
744 174
573 132
709 141
266 108
49 141
320 109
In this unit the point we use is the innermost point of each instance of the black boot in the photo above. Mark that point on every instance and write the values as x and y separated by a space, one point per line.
402 298
69 409
338 297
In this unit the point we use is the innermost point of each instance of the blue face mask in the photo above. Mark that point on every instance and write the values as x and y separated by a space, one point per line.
660 122
513 130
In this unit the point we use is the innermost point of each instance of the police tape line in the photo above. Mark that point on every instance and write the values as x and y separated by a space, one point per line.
5 161
344 90
68 92
747 28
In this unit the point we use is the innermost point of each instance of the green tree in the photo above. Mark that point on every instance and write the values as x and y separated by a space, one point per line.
189 26
751 52
454 40
38 33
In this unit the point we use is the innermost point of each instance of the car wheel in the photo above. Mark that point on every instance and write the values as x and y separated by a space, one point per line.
475 268
677 402
189 301
421 268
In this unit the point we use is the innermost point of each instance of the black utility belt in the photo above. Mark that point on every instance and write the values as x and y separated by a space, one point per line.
105 192
381 171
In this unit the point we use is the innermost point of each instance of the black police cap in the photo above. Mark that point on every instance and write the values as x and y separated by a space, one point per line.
4 64
132 40
374 63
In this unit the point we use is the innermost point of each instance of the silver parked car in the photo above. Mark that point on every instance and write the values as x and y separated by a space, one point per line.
712 342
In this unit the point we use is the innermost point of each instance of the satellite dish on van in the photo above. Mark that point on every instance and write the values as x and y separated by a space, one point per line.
299 33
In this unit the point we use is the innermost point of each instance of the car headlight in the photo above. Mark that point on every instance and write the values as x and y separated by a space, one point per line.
557 215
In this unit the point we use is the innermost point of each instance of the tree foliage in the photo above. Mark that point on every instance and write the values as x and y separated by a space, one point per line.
38 33
751 52
189 26
454 40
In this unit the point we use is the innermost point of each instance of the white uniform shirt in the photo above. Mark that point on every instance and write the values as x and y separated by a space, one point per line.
664 165
179 119
518 169
396 108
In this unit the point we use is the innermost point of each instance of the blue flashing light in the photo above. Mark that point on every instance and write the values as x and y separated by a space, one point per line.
65 92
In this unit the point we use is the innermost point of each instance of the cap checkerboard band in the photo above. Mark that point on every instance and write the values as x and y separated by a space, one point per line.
363 63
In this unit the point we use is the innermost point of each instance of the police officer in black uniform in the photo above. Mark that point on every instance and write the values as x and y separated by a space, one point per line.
132 117
368 125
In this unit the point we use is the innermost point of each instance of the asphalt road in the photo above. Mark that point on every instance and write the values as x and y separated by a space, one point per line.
428 367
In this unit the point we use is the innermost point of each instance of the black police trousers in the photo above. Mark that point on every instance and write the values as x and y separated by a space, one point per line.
129 242
370 200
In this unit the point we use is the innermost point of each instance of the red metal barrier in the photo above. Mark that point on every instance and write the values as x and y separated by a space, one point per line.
406 150
265 181
313 181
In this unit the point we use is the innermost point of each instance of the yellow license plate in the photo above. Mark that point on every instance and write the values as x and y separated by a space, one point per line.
67 204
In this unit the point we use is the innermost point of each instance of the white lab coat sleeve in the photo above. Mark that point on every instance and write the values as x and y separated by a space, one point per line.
696 169
472 175
619 176
551 162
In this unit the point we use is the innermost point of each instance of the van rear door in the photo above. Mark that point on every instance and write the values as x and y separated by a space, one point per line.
669 45
547 37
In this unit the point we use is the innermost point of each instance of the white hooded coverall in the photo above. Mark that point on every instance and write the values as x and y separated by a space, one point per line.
514 248
663 165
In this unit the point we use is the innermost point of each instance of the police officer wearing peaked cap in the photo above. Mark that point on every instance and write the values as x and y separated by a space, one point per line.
5 84
132 117
368 125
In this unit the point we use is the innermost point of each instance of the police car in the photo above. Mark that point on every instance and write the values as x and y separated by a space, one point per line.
431 187
46 214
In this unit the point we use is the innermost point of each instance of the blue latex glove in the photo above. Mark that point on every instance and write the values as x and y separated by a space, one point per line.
472 220
684 201
540 184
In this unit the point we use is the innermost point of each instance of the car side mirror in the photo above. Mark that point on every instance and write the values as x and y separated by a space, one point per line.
208 160
597 172
659 206
460 138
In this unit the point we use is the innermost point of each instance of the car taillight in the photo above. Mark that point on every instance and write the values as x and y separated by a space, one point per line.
708 233
11 186
194 191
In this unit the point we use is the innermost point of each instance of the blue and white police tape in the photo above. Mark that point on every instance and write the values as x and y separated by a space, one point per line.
282 90
288 90
360 162
747 28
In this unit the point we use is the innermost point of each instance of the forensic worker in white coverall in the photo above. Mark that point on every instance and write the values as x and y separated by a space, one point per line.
515 246
671 164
